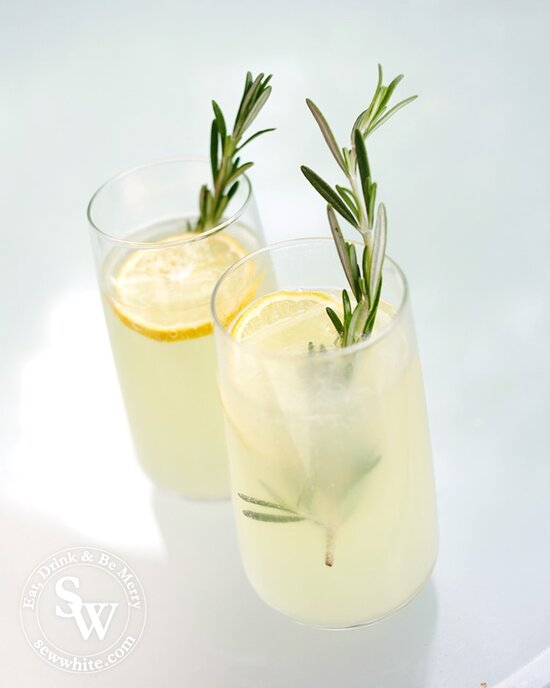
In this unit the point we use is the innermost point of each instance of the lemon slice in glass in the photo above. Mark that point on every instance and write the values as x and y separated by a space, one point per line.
287 321
164 292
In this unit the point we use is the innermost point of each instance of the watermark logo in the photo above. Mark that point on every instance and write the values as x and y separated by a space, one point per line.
76 605
83 610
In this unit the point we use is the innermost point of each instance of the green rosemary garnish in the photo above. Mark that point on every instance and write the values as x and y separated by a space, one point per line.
290 516
225 148
357 205
302 509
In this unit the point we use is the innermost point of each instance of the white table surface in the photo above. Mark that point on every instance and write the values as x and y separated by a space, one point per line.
91 87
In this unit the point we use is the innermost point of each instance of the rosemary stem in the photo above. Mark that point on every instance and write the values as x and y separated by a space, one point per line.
329 547
363 227
219 184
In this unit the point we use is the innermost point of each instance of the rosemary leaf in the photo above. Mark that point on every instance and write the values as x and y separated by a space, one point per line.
251 138
214 148
247 85
219 119
340 244
366 275
335 320
271 518
380 76
349 198
262 502
364 169
378 246
369 325
346 304
357 323
352 257
372 201
232 191
327 133
328 194
248 101
390 89
349 158
390 113
374 109
258 105
237 173
202 199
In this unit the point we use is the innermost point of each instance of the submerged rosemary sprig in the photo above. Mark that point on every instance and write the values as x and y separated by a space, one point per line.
225 147
357 205
281 511
288 516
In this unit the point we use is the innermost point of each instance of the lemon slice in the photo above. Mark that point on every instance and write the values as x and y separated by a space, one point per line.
164 293
286 321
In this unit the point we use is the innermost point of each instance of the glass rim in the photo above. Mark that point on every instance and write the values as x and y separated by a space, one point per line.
333 353
183 240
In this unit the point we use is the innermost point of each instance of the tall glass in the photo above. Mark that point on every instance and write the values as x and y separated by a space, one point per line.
330 457
156 278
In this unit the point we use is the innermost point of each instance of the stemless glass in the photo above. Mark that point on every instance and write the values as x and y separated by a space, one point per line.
156 278
330 457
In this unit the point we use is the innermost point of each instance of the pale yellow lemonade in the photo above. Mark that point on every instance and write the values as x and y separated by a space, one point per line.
156 303
331 461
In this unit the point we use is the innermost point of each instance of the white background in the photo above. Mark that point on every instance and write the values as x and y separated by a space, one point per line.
88 88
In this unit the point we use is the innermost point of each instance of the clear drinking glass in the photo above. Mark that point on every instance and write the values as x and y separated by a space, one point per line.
156 279
338 439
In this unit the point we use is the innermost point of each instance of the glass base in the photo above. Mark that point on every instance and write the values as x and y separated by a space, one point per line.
360 624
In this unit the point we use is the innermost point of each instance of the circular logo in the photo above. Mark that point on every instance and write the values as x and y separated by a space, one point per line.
83 610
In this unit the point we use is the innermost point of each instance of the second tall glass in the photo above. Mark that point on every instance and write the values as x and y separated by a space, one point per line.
156 278
330 452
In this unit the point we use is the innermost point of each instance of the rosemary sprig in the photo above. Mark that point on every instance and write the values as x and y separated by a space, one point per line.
263 509
225 150
357 205
290 516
